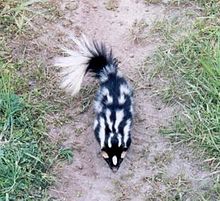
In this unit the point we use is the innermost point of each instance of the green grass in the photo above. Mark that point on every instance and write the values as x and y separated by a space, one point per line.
25 156
192 66
26 153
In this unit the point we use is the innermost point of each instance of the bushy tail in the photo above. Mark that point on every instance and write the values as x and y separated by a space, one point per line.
90 57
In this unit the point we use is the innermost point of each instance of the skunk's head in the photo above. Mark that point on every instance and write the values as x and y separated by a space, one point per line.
114 152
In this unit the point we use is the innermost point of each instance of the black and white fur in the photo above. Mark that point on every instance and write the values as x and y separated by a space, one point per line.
113 101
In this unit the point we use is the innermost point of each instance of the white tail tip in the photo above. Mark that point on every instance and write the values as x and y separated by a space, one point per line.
73 67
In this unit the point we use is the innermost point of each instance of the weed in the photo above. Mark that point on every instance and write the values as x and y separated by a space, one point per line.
66 153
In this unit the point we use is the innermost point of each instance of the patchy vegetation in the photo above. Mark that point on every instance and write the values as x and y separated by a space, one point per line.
25 157
191 65
26 153
195 63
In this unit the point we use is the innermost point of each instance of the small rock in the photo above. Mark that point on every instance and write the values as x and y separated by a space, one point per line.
131 55
120 23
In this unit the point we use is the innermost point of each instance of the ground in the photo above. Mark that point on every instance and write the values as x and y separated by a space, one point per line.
155 168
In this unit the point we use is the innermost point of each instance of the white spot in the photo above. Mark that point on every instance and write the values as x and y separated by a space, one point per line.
126 131
95 124
98 106
121 99
109 122
124 90
119 74
105 92
104 154
102 132
131 109
114 160
119 140
110 140
119 118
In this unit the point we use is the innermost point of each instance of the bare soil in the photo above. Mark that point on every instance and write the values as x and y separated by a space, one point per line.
154 168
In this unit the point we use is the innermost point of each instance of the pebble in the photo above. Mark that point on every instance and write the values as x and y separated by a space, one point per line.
131 55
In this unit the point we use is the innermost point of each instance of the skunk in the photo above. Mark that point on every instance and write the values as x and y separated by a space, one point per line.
114 99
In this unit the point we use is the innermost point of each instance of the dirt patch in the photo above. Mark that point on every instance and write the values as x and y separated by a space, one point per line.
154 169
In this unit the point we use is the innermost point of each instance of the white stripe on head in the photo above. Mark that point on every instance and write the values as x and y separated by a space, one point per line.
114 160
102 132
119 140
110 140
109 122
126 131
119 118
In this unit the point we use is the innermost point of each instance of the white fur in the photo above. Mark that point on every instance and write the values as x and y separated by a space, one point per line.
119 140
110 140
109 122
106 71
104 154
95 124
105 92
102 132
131 109
119 118
74 66
126 131
98 103
124 90
98 106
114 160
121 99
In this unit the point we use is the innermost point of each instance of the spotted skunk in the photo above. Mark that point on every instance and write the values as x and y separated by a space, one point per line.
113 101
